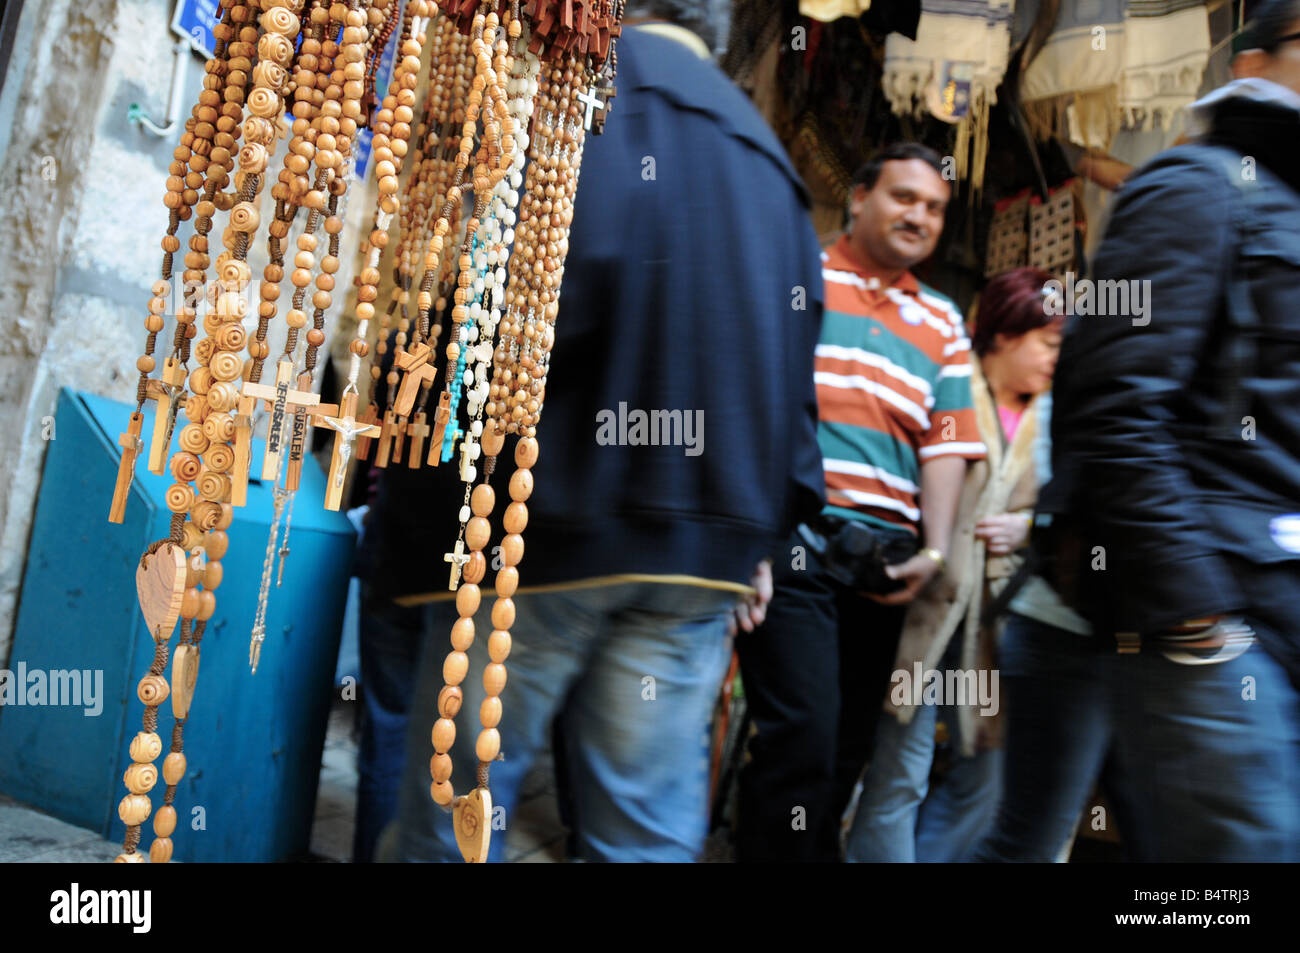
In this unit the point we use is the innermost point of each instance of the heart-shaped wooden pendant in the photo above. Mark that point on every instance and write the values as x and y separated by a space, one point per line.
469 819
160 585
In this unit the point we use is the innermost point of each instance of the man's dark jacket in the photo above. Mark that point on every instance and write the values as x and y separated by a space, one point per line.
693 282
1181 498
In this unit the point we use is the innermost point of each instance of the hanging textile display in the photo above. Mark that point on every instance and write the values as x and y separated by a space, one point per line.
1008 239
952 71
491 160
1051 230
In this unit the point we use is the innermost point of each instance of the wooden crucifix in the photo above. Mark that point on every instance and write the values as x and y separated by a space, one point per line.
417 429
346 429
280 398
130 444
167 392
298 436
418 369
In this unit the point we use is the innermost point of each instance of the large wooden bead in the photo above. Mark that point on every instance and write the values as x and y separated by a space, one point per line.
477 533
455 667
512 549
521 485
135 857
174 767
516 518
526 452
160 851
499 645
462 634
476 568
140 778
489 713
145 747
488 745
444 735
179 497
134 809
503 614
494 678
152 690
440 767
467 599
442 792
493 440
507 581
164 822
482 500
449 701
215 544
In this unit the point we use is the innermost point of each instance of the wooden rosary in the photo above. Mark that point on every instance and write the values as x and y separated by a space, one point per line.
489 197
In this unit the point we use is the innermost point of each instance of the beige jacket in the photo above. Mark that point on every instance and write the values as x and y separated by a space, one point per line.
1004 482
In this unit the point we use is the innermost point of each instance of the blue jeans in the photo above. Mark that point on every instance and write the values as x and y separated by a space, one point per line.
899 818
1200 763
639 666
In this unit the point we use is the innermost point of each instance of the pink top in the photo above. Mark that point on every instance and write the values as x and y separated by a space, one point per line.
1010 421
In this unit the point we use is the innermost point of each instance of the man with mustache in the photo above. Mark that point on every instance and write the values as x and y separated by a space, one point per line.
897 427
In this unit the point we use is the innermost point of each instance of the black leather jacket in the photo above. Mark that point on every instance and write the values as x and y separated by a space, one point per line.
1176 442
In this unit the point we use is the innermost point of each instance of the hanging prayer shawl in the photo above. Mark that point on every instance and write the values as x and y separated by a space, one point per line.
1166 49
952 69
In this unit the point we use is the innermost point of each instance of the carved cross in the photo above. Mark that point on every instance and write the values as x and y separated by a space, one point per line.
371 416
418 370
346 429
130 444
170 390
243 450
458 558
592 104
417 430
298 434
441 417
280 398
386 437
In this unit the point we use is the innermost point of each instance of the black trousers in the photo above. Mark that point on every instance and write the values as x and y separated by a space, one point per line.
815 677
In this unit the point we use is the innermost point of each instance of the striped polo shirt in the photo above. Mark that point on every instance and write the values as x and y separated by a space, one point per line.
893 374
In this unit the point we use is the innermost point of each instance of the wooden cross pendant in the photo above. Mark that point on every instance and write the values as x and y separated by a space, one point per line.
298 437
371 416
346 429
458 558
168 390
130 444
418 369
598 123
417 430
592 104
441 417
243 450
280 398
386 438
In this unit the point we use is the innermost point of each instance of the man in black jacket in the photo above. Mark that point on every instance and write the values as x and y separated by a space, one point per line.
1176 453
678 449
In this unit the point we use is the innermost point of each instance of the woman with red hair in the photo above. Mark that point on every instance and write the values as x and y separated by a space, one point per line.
1016 340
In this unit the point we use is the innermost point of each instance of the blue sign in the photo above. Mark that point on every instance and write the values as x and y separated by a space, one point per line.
383 76
194 20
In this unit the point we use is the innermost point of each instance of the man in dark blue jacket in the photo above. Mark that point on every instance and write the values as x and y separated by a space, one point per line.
678 449
1176 454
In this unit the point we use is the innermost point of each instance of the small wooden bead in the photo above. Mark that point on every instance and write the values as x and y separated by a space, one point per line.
193 440
173 767
494 678
212 575
516 518
179 498
444 735
145 364
134 809
455 667
164 822
145 747
442 793
499 641
160 851
476 568
521 485
190 604
482 500
488 745
140 778
214 544
512 549
440 767
507 581
489 713
152 690
467 599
